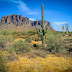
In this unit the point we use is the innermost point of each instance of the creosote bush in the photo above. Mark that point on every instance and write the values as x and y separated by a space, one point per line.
28 40
5 32
20 47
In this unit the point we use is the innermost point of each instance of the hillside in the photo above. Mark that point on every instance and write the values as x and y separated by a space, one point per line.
17 23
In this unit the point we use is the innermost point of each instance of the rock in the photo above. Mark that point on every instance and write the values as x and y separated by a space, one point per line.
18 20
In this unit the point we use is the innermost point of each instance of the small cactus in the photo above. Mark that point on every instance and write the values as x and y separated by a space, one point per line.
25 26
66 26
63 29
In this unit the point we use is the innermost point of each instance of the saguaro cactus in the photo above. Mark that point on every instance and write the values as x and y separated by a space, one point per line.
63 29
43 30
67 29
25 26
66 26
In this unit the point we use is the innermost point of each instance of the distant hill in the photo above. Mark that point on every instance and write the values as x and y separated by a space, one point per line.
17 23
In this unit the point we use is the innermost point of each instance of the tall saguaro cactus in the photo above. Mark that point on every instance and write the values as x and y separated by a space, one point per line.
63 29
43 30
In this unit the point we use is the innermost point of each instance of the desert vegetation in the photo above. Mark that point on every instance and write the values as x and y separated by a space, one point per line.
35 50
21 54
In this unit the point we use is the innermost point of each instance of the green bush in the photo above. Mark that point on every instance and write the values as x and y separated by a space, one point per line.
16 32
5 32
39 53
28 40
23 33
32 32
55 44
2 63
52 33
10 38
2 42
37 46
20 47
36 38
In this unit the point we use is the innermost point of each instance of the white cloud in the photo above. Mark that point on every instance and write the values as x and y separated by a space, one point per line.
60 23
23 7
31 13
32 19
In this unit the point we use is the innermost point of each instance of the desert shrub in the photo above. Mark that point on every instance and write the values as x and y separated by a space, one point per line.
20 47
32 32
70 40
70 50
55 44
12 57
48 34
16 32
23 33
2 63
37 46
5 32
10 38
28 40
36 38
26 36
40 53
2 42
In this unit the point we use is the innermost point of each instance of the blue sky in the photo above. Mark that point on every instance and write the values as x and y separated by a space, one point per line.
57 12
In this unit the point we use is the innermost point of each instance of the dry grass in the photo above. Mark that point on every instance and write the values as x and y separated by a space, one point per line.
33 42
49 64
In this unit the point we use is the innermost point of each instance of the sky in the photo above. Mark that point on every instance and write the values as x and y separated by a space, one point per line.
57 12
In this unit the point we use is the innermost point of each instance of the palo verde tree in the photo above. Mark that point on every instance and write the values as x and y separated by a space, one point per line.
43 29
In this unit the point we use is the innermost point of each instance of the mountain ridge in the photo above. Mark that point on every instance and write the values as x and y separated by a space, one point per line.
19 21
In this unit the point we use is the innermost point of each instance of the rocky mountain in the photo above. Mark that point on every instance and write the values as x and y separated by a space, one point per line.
17 22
